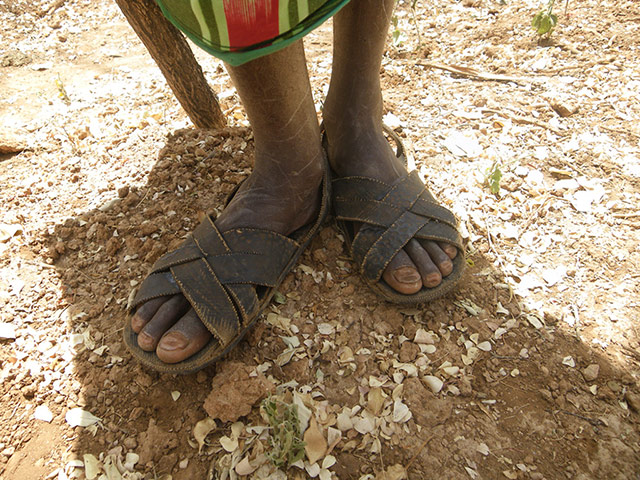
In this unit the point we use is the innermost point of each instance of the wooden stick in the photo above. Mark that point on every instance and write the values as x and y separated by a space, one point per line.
172 53
475 74
524 121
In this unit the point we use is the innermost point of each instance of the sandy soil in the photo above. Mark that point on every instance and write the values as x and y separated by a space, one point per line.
529 370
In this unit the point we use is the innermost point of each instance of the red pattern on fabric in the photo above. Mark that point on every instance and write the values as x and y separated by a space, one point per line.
251 21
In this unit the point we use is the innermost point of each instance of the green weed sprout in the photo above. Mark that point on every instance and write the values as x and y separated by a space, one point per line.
493 177
285 438
62 92
545 21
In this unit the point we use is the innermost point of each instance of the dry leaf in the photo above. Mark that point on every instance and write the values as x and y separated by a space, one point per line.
391 121
328 462
344 421
76 417
91 466
324 474
285 356
202 429
472 473
364 424
244 467
463 144
483 449
279 321
333 438
375 400
434 383
304 413
401 412
423 337
316 445
583 200
326 329
229 444
130 461
553 276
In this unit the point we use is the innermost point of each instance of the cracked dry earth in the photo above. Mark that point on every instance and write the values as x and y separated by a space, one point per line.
529 370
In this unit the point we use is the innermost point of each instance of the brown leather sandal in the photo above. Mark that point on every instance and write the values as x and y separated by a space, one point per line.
395 213
227 277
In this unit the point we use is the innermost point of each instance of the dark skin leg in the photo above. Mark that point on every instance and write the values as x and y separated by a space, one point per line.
353 122
282 194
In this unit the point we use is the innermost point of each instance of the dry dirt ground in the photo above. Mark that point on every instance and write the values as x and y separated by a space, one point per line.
529 370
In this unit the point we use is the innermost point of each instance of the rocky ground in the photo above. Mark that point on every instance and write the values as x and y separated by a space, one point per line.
529 370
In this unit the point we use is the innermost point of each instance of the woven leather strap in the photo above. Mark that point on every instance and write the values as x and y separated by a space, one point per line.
393 215
218 273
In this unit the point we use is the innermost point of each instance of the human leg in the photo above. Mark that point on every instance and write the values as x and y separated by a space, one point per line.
281 195
356 143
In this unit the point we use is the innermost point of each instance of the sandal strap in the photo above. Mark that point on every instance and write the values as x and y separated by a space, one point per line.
208 297
218 274
392 215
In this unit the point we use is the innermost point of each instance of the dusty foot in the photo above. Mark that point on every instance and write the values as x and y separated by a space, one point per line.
356 148
267 200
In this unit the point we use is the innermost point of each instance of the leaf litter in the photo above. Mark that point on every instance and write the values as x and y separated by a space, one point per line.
542 236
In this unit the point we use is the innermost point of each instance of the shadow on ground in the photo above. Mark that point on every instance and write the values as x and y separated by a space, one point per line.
539 404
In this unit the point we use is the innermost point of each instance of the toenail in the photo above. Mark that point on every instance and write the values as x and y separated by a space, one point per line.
146 341
406 275
433 280
446 268
173 341
451 251
137 323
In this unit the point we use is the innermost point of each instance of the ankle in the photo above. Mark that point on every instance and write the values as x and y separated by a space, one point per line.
363 149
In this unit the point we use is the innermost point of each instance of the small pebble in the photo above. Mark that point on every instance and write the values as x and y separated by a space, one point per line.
201 377
591 372
130 443
7 452
633 400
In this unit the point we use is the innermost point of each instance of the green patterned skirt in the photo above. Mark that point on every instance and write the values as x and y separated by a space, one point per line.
238 31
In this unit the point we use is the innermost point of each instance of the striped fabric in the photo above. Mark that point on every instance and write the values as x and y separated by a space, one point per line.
240 30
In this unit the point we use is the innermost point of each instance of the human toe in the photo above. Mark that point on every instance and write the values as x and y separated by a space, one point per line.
440 258
449 249
430 274
182 340
165 315
401 275
145 313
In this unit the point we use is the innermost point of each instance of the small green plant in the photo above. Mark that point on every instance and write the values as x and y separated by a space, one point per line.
62 93
397 33
285 438
545 20
279 298
493 176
